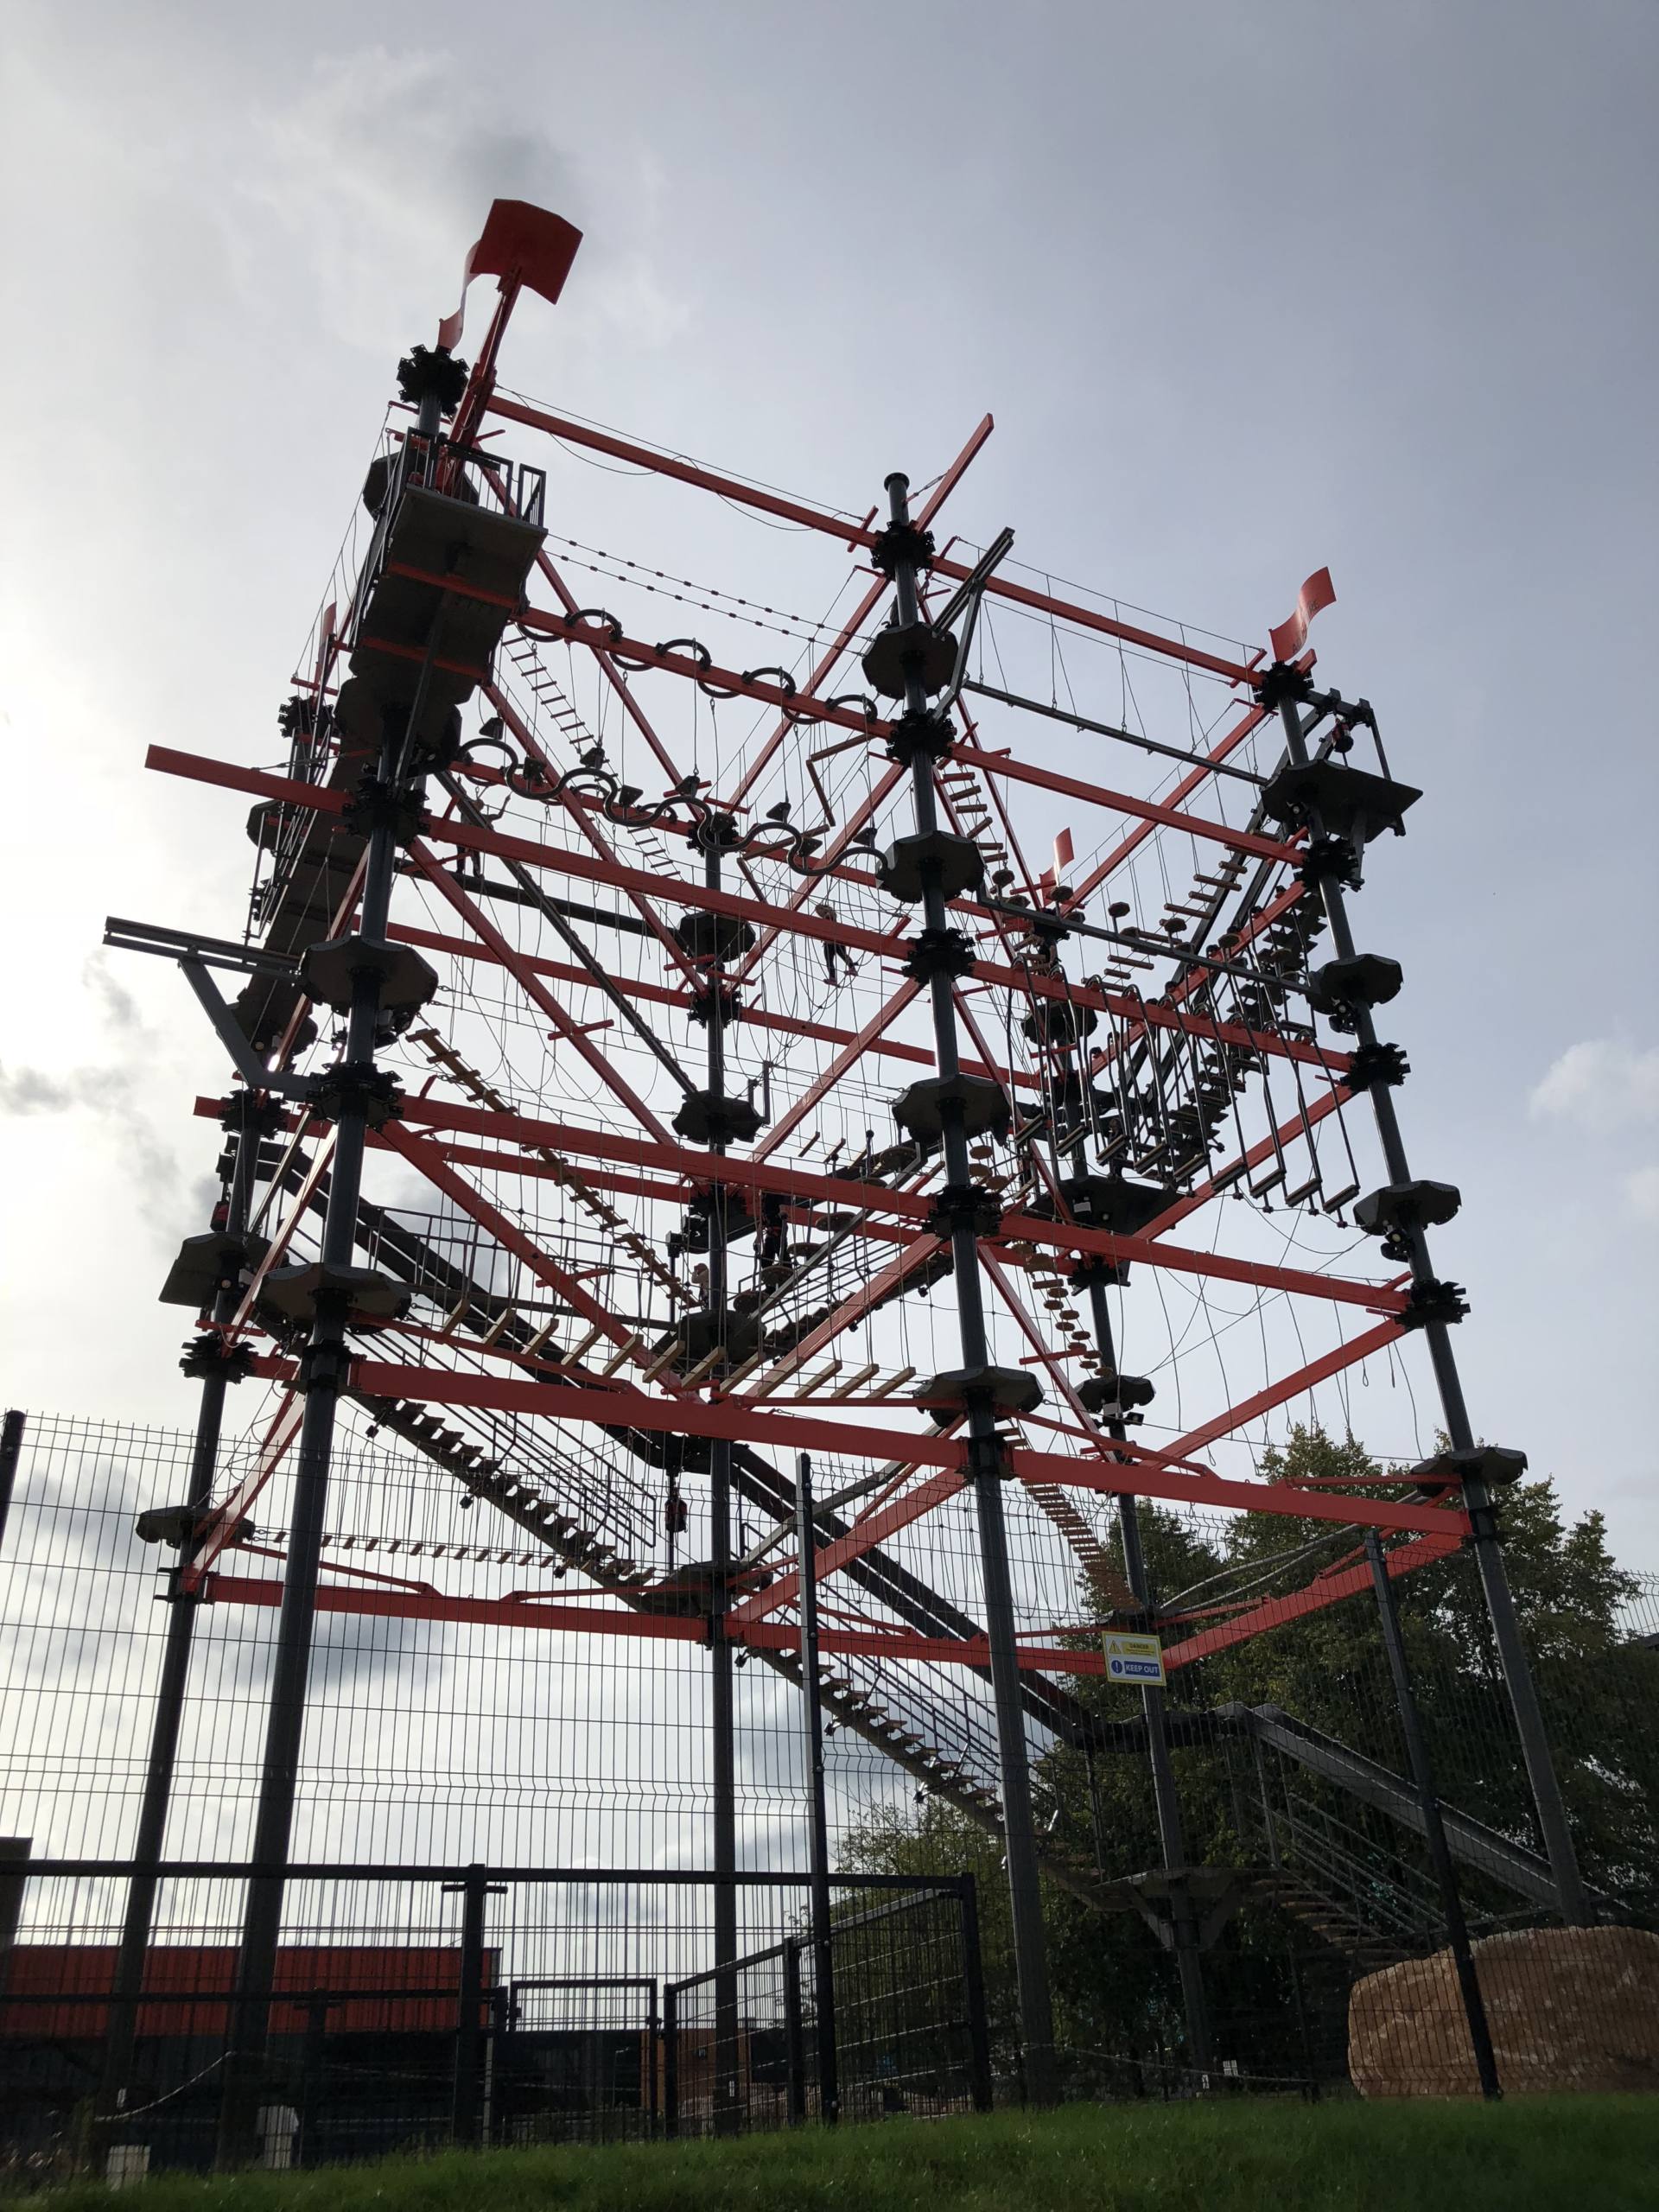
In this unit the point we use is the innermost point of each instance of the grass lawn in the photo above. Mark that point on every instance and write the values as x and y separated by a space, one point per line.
1537 2154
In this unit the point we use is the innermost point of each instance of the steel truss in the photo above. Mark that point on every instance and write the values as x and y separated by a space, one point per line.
1086 1086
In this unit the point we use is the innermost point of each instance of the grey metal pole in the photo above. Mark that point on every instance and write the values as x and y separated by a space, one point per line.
824 1964
1166 1798
1019 1827
465 2102
722 1712
167 1719
11 1447
981 2084
670 2061
323 1366
1574 1901
1439 1852
794 2038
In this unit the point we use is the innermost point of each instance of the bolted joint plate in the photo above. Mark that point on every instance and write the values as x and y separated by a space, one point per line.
371 1299
916 649
329 973
920 1110
958 862
1399 1206
705 1117
959 1390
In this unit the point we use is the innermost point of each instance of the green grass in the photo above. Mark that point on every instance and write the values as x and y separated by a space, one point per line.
1537 2154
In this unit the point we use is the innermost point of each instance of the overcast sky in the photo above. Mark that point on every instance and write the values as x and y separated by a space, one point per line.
1248 288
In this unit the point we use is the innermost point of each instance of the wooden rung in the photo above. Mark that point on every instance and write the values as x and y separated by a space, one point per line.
529 1350
699 1373
663 1359
786 1367
623 1353
453 1321
809 1384
893 1382
508 1313
738 1374
854 1382
581 1350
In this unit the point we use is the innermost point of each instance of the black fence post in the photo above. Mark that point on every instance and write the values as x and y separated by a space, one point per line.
651 2100
475 1889
973 1986
1439 1852
817 1833
670 2061
794 2036
11 1447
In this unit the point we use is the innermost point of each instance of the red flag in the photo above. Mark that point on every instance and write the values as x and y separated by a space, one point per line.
522 242
1291 636
1063 852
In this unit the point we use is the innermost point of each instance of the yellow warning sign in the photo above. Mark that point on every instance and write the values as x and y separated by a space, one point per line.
1133 1658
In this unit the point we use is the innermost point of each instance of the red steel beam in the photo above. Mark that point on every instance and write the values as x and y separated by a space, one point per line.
853 1051
539 997
863 1536
759 911
529 1612
1149 810
1290 1386
1282 1498
820 1033
222 1524
1329 1590
1229 741
426 1157
867 606
850 534
803 1184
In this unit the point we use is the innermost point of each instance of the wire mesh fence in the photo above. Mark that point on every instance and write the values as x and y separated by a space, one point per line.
1299 1895
418 2008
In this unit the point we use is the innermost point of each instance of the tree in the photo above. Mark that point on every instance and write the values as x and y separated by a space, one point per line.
1115 1990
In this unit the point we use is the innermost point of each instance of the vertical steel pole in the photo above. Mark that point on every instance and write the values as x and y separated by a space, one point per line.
980 2081
818 1834
794 2036
323 1366
722 1714
11 1447
1019 1827
1172 1839
1572 1898
670 2061
1439 1852
167 1719
464 2103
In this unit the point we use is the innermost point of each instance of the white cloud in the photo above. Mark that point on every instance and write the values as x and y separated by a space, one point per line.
1642 1190
1602 1083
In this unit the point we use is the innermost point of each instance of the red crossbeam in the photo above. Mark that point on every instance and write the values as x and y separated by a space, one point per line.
837 526
1329 1590
763 913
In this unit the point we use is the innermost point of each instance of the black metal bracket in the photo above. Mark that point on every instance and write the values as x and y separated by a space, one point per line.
354 1087
901 542
921 732
965 1205
1377 1063
209 1354
1433 1300
938 952
1281 682
1326 859
380 805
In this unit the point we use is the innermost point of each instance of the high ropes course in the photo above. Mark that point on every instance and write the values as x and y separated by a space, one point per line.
702 1073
